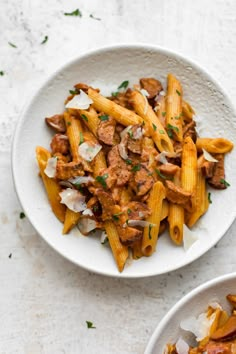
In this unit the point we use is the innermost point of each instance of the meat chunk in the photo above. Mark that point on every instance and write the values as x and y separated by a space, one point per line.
189 130
208 168
120 168
227 331
60 143
152 86
176 194
123 99
57 123
134 139
218 178
128 235
107 203
106 131
137 211
168 169
218 348
65 171
142 180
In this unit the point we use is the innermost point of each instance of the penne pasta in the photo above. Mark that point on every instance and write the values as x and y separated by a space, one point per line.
71 219
217 145
90 119
188 111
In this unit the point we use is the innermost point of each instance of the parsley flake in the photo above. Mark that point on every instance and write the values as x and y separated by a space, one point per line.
170 129
149 231
114 94
102 180
136 168
84 117
123 85
154 126
77 12
12 45
178 93
90 324
209 198
161 131
22 215
163 114
128 162
116 216
223 181
162 176
130 133
68 123
81 138
73 92
1 73
104 117
129 211
45 40
94 18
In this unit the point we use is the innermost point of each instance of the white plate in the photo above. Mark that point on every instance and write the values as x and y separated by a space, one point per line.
194 303
107 68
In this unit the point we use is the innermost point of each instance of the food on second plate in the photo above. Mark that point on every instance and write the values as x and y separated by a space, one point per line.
215 331
131 165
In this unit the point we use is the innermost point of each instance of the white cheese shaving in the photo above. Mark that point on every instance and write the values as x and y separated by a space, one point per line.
162 93
215 305
122 151
74 200
181 346
89 150
80 101
88 212
50 169
208 156
81 180
200 326
104 237
138 133
145 95
156 108
162 157
140 214
189 238
86 225
125 131
142 223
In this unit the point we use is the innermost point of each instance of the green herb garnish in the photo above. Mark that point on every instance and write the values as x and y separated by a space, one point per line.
1 73
223 181
45 40
12 45
129 211
209 198
130 133
84 117
114 94
149 231
104 117
163 114
154 126
116 216
22 215
128 162
77 12
136 168
90 324
170 129
73 92
178 93
123 85
81 138
162 176
68 123
102 180
161 131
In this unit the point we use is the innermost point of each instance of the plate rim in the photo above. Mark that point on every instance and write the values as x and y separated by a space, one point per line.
52 76
180 303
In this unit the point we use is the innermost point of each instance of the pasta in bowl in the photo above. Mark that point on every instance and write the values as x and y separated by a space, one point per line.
131 165
95 70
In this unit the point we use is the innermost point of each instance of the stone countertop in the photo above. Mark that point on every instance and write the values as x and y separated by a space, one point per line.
45 301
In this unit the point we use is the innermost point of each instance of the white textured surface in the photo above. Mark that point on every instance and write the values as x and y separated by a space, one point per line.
45 300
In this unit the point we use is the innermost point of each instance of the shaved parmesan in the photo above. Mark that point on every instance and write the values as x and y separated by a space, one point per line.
89 150
181 346
215 305
86 225
73 199
142 223
140 214
122 151
125 131
50 169
189 238
81 101
88 212
157 107
162 93
138 133
145 95
81 180
162 157
208 156
104 237
200 326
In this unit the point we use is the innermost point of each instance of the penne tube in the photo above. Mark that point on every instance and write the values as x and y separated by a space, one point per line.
150 233
74 132
188 111
174 121
99 163
165 209
125 197
137 249
214 145
160 110
120 251
156 129
52 187
90 119
122 115
71 219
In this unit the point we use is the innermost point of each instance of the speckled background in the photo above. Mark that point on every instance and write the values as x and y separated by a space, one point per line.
44 300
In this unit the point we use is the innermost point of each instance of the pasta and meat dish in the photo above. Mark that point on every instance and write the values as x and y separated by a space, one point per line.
131 165
215 331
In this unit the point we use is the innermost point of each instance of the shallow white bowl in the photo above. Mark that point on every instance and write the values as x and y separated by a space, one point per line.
194 303
107 68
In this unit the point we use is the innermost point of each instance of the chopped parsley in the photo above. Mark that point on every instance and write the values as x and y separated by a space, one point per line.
149 231
223 181
45 40
178 93
77 12
102 180
1 73
163 114
209 198
177 117
22 215
95 208
81 138
136 168
161 131
129 211
104 117
128 162
90 324
116 216
68 123
95 18
73 92
161 175
12 45
84 117
154 126
114 94
170 129
130 133
123 85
